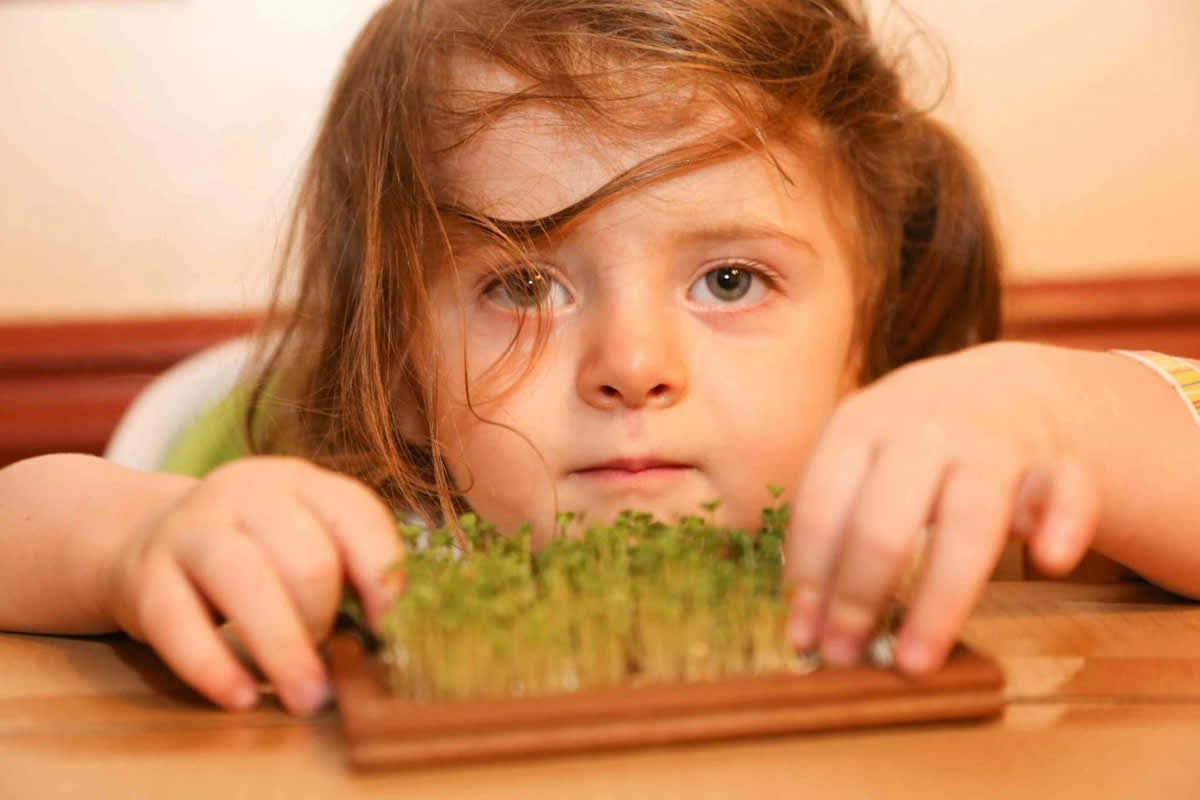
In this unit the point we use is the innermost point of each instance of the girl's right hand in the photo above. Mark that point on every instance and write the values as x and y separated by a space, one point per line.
263 542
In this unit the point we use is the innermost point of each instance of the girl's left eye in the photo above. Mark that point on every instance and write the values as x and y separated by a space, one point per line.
729 285
526 289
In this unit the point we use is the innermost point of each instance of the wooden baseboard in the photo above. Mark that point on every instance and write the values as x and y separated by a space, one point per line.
1150 313
65 384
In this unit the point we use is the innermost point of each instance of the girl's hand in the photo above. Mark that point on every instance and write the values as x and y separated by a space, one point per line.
963 444
264 543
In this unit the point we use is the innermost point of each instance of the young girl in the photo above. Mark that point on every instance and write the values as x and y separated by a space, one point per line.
590 255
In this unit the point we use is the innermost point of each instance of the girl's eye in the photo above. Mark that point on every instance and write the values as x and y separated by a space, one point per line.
730 284
525 289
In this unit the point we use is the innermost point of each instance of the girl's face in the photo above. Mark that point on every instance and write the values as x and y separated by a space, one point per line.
700 333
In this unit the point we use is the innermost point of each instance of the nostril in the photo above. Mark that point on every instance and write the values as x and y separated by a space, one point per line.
609 391
660 390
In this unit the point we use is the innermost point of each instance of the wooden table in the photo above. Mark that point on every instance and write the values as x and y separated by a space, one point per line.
1103 691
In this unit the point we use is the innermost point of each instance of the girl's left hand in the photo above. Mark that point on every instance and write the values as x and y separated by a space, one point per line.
958 448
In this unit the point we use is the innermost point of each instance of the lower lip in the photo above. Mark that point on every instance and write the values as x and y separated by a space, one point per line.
633 477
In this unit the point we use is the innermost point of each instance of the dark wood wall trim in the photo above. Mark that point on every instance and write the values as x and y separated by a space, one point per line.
120 344
65 383
1154 312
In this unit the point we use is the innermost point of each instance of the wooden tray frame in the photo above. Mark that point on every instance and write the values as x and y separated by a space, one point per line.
382 730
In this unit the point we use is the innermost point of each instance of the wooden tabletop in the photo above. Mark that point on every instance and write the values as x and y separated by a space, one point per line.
1103 690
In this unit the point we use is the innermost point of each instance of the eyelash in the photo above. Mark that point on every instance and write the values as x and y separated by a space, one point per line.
754 268
757 269
498 282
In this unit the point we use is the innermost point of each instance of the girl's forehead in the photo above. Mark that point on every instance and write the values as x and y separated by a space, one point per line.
537 157
534 164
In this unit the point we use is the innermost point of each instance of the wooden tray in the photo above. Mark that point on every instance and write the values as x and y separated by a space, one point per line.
382 730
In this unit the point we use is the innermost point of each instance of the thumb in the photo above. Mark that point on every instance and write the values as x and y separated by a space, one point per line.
1055 512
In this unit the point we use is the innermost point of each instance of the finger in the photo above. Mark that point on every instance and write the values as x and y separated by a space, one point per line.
363 531
232 570
893 506
175 621
826 494
971 525
1056 510
304 558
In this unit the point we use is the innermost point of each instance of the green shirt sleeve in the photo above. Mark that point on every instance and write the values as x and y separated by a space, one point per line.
212 439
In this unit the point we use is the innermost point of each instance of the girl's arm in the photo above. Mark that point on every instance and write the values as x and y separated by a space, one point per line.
63 517
1142 445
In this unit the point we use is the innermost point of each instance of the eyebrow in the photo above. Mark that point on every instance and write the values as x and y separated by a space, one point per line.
741 231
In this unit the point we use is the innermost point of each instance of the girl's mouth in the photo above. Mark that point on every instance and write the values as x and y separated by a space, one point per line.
633 470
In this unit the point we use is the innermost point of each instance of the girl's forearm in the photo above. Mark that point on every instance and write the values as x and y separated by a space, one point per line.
62 519
1143 445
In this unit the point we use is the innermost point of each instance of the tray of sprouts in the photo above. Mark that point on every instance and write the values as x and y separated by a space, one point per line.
639 633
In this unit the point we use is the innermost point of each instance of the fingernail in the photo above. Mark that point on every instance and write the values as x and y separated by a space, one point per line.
1056 543
245 698
802 628
913 655
800 633
314 696
840 649
386 592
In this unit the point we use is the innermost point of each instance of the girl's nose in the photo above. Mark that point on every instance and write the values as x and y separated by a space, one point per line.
632 365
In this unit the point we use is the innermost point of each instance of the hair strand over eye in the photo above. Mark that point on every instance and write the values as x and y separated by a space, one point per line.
526 288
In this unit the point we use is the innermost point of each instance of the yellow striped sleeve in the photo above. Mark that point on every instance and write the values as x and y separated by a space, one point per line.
1183 375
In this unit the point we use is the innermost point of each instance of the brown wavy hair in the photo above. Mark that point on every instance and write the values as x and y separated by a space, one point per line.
372 225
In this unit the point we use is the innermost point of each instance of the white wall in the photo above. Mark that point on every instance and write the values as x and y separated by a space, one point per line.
148 149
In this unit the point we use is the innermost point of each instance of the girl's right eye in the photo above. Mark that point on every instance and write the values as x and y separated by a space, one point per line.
526 289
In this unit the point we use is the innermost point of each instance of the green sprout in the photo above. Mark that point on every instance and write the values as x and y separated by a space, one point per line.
637 602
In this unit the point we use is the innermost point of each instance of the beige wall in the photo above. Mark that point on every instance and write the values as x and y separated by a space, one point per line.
148 149
1085 115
